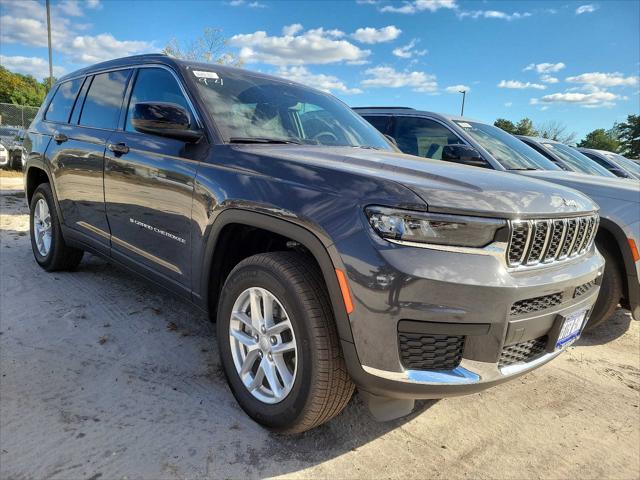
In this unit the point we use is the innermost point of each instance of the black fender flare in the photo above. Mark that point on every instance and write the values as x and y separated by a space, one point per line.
621 240
327 256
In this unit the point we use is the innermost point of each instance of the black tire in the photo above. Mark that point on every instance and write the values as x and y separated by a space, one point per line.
16 161
322 386
60 256
610 289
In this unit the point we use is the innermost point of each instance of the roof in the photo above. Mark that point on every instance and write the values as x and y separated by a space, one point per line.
162 59
416 113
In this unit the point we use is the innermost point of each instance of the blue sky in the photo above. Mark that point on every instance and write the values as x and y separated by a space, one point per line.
574 62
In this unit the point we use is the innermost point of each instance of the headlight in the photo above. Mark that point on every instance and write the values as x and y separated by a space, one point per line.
418 227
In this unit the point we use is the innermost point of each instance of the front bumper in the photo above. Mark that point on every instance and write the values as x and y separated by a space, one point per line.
453 293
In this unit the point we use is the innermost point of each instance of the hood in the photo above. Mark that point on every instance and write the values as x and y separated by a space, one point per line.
622 189
444 186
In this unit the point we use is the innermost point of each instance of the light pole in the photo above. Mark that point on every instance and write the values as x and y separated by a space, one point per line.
49 41
464 94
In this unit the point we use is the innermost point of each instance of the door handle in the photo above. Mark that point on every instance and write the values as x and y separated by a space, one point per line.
118 148
60 137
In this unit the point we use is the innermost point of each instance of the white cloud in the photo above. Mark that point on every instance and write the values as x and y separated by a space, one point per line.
420 6
548 79
292 29
390 78
34 66
615 79
515 84
25 23
97 48
328 83
317 46
508 104
497 14
589 8
242 3
407 51
372 35
457 88
590 99
545 67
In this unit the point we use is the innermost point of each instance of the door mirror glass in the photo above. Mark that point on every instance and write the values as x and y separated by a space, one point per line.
164 119
463 154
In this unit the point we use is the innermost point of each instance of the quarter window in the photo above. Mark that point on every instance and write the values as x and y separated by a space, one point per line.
60 107
104 100
423 137
155 85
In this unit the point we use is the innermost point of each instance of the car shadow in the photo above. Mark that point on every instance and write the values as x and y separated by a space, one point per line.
613 328
241 448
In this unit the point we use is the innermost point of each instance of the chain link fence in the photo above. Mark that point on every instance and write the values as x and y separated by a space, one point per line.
16 115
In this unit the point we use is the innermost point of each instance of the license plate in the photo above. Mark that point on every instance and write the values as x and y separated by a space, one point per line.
571 328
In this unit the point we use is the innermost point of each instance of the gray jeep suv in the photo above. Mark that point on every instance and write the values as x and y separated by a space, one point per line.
328 259
464 141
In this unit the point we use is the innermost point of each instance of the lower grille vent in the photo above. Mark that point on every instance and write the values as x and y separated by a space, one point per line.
523 352
584 288
430 352
536 304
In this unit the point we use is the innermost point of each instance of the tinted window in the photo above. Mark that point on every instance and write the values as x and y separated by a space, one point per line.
423 137
155 85
60 107
577 161
378 121
102 106
598 160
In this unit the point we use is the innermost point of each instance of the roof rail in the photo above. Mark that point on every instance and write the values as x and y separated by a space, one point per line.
383 108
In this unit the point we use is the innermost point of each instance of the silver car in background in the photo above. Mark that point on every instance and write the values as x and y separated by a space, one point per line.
614 162
461 140
565 157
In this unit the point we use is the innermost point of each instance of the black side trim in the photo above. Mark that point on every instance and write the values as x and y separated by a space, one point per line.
441 328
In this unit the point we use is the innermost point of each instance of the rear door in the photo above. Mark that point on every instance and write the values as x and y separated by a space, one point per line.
149 183
81 116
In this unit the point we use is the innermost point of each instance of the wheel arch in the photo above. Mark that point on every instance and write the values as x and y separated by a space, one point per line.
616 239
326 257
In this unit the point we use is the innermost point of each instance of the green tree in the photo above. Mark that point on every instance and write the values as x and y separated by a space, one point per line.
210 47
629 132
21 89
506 125
600 139
525 127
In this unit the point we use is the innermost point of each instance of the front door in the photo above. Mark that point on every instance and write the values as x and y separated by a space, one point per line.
149 183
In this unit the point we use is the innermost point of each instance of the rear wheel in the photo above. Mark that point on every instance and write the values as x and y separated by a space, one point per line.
610 289
278 343
49 248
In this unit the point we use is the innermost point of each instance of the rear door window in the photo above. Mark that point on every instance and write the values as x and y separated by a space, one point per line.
155 85
104 99
62 103
381 122
423 137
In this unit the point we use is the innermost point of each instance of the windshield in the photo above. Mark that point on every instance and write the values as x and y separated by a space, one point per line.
254 109
577 161
624 162
512 153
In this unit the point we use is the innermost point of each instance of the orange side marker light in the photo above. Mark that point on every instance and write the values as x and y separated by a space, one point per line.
634 249
344 288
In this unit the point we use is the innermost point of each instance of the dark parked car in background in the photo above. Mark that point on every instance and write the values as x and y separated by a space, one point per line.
461 140
615 163
11 138
565 157
326 257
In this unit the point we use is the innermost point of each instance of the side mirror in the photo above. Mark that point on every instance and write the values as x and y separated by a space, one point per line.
164 119
464 154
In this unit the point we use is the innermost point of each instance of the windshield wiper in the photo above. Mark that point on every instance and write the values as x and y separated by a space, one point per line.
523 168
263 140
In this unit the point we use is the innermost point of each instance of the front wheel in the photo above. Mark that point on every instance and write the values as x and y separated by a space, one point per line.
48 245
278 343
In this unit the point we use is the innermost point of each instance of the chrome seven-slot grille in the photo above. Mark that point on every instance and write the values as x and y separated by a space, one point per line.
534 242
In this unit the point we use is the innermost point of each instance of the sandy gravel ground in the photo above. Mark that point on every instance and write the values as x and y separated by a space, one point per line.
105 377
